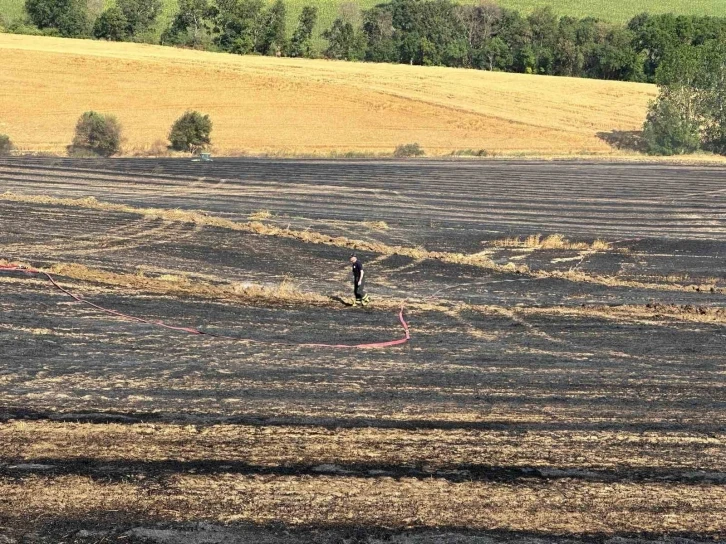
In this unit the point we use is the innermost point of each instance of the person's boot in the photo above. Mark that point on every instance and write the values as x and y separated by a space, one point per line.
366 300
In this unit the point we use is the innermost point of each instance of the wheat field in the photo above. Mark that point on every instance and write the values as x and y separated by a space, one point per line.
298 106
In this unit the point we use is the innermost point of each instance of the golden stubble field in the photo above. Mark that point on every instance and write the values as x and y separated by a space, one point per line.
298 106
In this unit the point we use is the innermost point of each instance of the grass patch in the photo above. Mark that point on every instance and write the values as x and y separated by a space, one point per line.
631 312
260 215
553 241
178 285
480 260
376 225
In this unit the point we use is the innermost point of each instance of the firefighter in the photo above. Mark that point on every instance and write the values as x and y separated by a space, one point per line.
361 297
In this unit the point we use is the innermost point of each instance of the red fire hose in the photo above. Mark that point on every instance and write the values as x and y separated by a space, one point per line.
189 330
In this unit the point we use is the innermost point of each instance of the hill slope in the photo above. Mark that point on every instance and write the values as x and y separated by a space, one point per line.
263 104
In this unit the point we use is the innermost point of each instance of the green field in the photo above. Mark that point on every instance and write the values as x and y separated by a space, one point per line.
612 10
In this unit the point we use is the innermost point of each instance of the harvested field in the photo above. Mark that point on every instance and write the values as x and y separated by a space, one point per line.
289 106
564 381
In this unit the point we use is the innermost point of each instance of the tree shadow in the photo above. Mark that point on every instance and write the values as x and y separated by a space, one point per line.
629 140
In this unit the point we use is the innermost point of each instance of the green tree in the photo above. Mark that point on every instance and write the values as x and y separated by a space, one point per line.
456 53
713 100
111 25
140 15
668 130
301 41
526 60
617 59
673 124
569 58
493 54
428 32
69 18
6 146
191 26
380 35
238 23
272 39
481 23
344 42
98 134
191 132
517 34
544 27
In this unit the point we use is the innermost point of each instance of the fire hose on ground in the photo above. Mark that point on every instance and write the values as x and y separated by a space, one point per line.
197 332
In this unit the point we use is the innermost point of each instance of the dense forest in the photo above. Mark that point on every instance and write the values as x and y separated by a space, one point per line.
423 32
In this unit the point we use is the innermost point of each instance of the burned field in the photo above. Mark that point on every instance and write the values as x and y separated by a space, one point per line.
562 387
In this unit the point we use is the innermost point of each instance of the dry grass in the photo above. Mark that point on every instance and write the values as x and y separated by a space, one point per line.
376 225
302 106
260 215
649 312
615 281
553 241
438 449
205 219
480 259
600 245
548 506
171 284
328 501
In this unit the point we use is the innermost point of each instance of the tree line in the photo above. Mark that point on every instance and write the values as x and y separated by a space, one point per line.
233 26
423 32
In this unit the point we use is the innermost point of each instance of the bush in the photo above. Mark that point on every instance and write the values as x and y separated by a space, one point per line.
6 146
408 150
470 153
191 132
23 27
97 134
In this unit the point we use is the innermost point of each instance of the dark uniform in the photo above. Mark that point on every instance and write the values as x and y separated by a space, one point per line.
360 295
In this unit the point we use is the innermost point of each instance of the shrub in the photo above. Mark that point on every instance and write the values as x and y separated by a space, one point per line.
191 132
20 26
6 146
408 150
470 153
97 134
